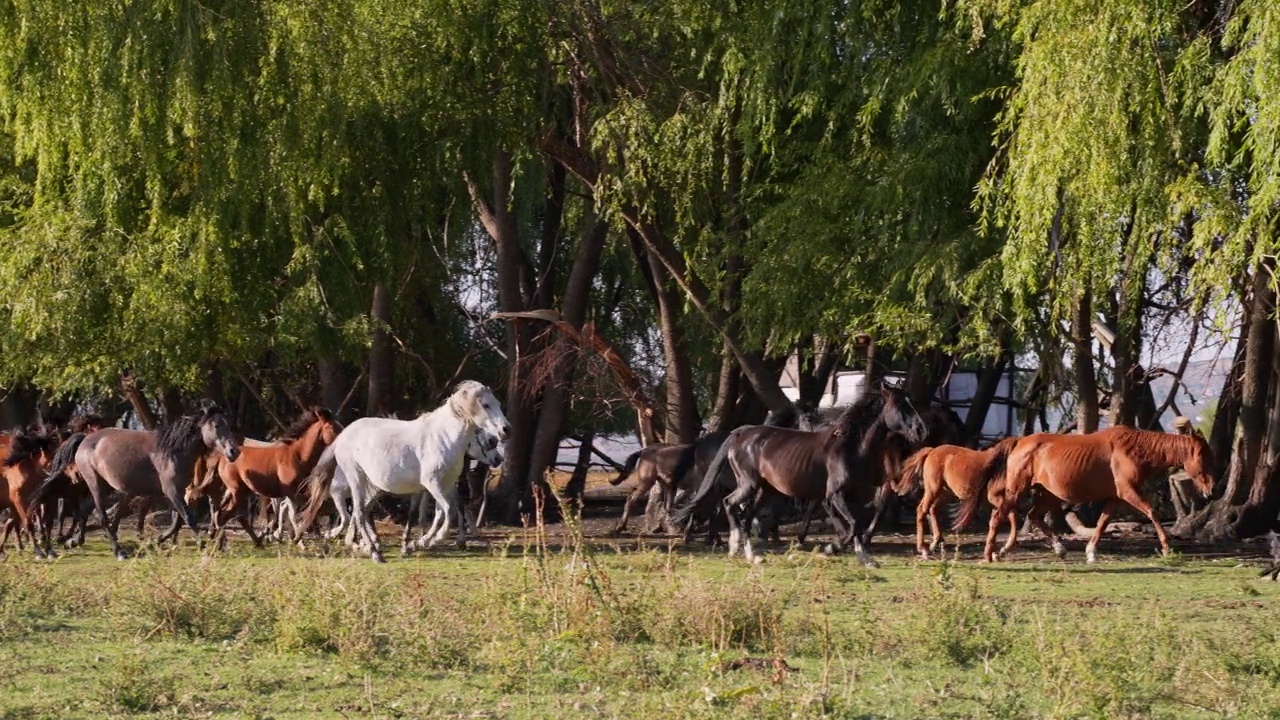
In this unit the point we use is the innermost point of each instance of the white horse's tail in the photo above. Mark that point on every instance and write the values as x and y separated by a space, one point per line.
316 489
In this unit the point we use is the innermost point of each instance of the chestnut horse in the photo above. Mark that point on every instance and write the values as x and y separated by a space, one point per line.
952 472
826 465
1107 466
270 471
26 456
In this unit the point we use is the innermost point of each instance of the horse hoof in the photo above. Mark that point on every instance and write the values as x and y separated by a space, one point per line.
830 549
121 556
871 565
1089 556
1061 551
757 560
924 554
377 557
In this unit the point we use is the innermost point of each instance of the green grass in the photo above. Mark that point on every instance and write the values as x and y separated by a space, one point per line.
517 631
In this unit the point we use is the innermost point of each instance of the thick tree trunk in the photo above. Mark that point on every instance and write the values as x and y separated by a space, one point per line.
171 401
555 401
1220 519
988 384
136 398
333 384
724 410
681 406
381 360
1086 379
816 368
499 221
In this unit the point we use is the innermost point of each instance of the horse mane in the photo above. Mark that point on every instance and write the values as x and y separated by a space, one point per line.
299 427
1157 448
80 423
25 444
176 437
856 420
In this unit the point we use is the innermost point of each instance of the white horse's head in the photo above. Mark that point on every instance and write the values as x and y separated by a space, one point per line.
484 448
474 402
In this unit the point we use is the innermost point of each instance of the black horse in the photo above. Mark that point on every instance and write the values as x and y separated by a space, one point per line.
827 465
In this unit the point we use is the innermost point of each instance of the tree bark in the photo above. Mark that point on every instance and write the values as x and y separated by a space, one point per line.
988 384
381 361
724 409
136 398
816 368
499 221
1086 380
681 406
333 384
555 400
1220 520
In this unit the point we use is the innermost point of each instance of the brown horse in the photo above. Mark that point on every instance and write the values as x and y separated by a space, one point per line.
142 463
26 456
1108 466
826 465
951 472
653 464
271 470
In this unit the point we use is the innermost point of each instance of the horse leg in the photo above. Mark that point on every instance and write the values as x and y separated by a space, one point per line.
344 519
808 519
1104 517
859 547
428 529
415 506
359 508
923 510
91 480
1130 495
444 514
169 486
1042 506
246 522
642 489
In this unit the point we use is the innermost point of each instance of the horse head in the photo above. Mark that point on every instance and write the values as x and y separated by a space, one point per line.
215 433
899 416
28 446
474 402
329 425
484 448
1199 463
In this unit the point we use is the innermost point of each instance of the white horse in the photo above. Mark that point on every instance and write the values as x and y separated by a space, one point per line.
479 449
404 457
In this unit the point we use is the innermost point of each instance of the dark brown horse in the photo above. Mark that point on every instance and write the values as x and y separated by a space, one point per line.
653 464
826 465
142 463
1107 466
951 472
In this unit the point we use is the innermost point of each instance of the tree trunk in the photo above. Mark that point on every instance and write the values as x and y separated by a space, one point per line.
381 361
333 384
815 371
681 406
988 384
141 408
724 410
577 485
555 401
1219 520
1086 380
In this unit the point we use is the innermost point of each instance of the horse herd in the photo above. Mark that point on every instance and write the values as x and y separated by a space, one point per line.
878 446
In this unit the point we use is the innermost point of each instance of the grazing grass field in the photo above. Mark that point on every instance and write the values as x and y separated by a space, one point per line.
519 630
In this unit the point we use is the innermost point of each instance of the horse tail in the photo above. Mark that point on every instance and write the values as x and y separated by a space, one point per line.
627 468
996 468
316 488
681 515
912 476
62 459
688 458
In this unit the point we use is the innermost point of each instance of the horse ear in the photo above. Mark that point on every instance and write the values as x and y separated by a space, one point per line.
1182 426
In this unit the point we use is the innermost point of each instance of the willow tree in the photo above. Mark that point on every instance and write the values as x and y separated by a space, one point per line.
209 183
